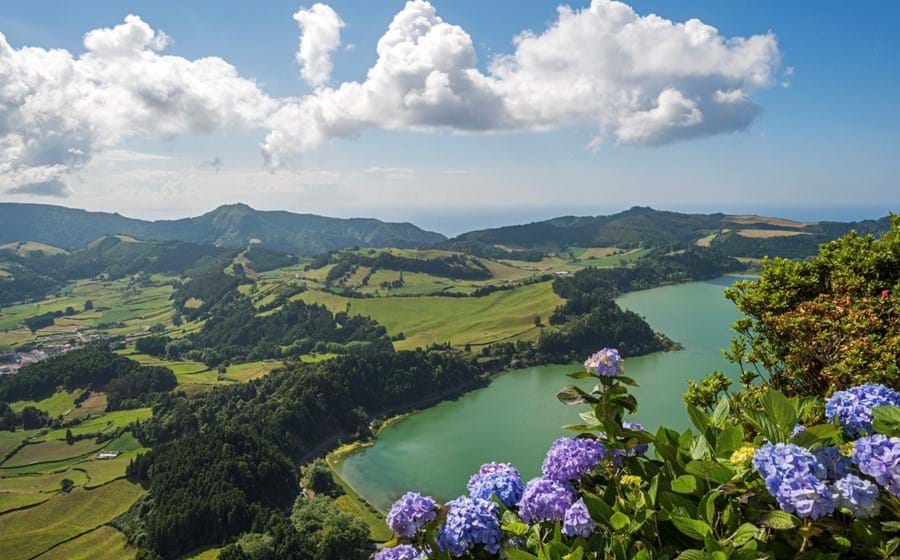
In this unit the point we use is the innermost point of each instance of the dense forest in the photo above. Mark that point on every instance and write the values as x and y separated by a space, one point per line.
222 462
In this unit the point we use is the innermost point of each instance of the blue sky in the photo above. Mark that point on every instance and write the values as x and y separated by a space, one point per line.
825 143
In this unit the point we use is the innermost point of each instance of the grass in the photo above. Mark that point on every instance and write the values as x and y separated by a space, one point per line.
103 543
55 405
10 501
611 261
103 424
23 248
251 370
768 233
50 451
429 319
11 440
28 533
351 502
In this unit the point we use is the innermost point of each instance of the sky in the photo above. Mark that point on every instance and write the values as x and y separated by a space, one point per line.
452 114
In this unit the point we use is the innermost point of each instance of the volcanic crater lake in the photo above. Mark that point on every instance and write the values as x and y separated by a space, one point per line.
517 416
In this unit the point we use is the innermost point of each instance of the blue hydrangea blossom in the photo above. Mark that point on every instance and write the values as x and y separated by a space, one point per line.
497 479
836 465
805 496
570 458
857 495
606 362
794 476
470 522
640 448
545 499
401 552
853 407
577 521
879 457
410 513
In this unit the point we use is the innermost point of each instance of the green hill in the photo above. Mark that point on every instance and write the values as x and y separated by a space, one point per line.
232 226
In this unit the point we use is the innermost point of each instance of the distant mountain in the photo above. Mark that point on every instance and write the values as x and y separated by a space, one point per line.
232 226
746 236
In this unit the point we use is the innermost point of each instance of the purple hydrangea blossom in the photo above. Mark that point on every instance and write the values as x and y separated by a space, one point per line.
577 521
410 513
853 407
470 522
836 465
640 448
806 496
777 462
400 552
606 362
570 458
879 457
497 479
545 499
797 429
857 495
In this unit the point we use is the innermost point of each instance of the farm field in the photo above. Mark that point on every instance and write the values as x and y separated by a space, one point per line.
106 423
103 543
57 404
49 451
429 319
27 533
768 233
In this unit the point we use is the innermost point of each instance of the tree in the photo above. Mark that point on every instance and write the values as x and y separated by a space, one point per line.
66 485
88 305
33 418
316 477
70 311
335 535
70 439
537 321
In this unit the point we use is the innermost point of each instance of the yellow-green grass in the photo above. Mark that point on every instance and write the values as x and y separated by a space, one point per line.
44 468
10 502
769 233
507 314
208 554
313 358
756 219
615 260
177 366
104 424
707 240
356 278
593 252
23 248
251 370
94 405
40 483
11 440
25 534
14 337
103 543
102 471
50 451
58 404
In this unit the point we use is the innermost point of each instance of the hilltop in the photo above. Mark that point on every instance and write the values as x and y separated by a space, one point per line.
231 226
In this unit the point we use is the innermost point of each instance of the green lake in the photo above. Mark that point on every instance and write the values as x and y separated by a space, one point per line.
517 416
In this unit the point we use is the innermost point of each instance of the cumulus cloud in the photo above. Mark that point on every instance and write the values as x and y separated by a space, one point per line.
635 79
629 78
320 36
57 110
53 188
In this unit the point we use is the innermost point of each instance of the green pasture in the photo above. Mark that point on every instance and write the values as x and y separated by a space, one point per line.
429 319
103 543
50 451
57 404
104 424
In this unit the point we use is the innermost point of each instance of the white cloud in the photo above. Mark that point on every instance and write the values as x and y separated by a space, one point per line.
630 78
392 173
636 79
320 36
58 110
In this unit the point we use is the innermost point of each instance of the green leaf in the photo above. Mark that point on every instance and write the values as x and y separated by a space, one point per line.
710 470
514 554
779 520
599 510
780 409
698 418
886 420
619 521
720 414
693 528
707 507
744 534
581 375
817 434
729 440
685 484
572 395
692 554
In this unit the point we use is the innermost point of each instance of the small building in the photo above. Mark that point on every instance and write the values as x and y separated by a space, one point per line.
107 454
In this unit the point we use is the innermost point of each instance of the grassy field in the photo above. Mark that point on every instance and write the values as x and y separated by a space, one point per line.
23 248
30 532
57 404
428 319
103 543
614 260
47 451
351 502
769 233
10 440
106 423
251 370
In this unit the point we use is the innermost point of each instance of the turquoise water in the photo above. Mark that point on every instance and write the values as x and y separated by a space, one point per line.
517 416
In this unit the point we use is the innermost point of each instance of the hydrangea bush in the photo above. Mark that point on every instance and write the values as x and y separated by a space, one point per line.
744 485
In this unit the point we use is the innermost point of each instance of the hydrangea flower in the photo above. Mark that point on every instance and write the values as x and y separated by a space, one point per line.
797 429
857 495
400 552
836 464
410 513
545 499
777 462
640 448
497 479
879 457
570 458
853 407
806 496
470 522
577 521
606 362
